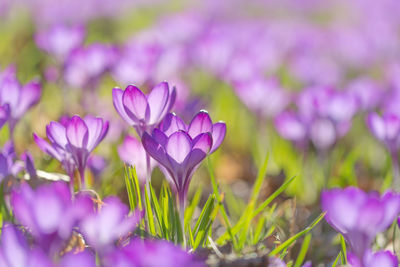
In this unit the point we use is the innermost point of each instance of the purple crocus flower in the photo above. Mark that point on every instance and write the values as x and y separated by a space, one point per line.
370 259
9 165
4 114
256 92
102 229
359 216
18 98
59 40
49 213
179 149
201 123
131 151
143 112
145 253
387 130
72 142
85 65
15 252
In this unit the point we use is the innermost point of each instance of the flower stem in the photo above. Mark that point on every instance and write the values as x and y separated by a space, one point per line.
81 182
396 171
181 207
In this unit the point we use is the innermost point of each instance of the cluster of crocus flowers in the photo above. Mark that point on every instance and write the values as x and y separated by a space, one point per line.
59 229
16 99
324 115
359 217
72 141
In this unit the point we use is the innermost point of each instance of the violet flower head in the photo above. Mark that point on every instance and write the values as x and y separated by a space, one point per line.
264 97
4 114
147 253
359 216
131 151
73 142
85 65
386 129
49 213
19 98
60 40
102 229
9 165
370 259
179 148
15 252
144 112
291 127
201 123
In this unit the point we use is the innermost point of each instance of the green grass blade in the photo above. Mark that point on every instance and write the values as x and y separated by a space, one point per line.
193 204
339 256
157 211
294 238
220 203
343 248
303 250
150 215
205 214
235 229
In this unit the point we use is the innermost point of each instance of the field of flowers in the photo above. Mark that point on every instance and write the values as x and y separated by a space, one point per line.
180 133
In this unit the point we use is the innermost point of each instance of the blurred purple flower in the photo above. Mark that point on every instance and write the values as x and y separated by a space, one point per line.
59 40
18 98
73 142
370 259
131 151
96 164
180 149
49 213
359 216
143 112
145 253
85 65
386 129
9 165
264 97
367 91
102 229
291 127
15 252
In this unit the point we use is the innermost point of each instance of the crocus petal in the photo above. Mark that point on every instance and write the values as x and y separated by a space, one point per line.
201 123
29 96
160 137
132 152
155 150
135 104
46 147
81 259
119 106
323 133
290 127
204 142
376 125
96 129
179 146
77 132
392 126
48 210
56 133
4 114
158 100
172 123
218 135
382 259
14 246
